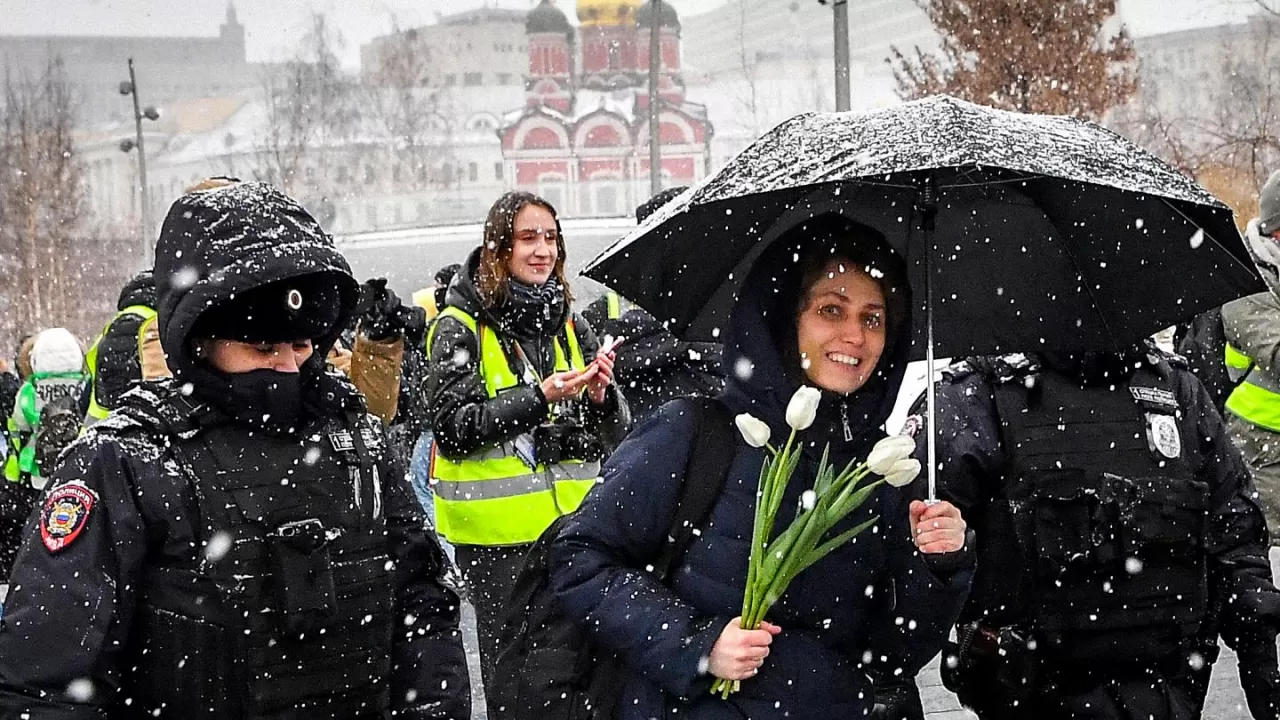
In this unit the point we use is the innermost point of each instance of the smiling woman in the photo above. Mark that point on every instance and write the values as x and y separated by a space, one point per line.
521 399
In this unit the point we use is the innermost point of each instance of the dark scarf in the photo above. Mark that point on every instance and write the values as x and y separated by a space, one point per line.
532 311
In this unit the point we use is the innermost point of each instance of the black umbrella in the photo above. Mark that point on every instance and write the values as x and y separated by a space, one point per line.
1021 232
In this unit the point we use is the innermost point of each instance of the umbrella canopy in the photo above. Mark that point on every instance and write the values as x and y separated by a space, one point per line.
1030 232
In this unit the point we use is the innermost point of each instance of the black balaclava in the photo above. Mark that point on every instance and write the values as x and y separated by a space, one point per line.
297 309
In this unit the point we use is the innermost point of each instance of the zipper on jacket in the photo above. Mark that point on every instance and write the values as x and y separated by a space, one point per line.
356 487
844 420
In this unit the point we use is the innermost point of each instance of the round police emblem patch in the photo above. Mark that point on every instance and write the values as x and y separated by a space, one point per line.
65 514
1165 437
295 299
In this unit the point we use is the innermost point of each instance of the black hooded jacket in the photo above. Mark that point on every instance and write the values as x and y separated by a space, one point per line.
655 367
70 612
119 366
463 417
875 598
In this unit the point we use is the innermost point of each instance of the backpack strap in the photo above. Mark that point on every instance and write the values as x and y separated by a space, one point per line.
704 475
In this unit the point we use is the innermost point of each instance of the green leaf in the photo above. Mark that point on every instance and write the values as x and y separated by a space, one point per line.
825 548
825 475
850 501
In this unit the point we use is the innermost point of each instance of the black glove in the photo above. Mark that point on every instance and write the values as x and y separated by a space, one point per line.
381 315
897 699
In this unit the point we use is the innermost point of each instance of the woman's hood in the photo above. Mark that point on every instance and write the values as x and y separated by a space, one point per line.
761 379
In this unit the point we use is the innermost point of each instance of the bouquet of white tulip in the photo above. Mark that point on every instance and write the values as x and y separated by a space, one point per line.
775 563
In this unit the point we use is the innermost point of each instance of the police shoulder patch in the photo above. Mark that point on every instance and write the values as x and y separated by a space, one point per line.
65 514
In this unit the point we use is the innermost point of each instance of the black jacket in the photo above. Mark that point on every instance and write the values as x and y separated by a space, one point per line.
68 615
839 615
463 417
119 365
654 367
972 460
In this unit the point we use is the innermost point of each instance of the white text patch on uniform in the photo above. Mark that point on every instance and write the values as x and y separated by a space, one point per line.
1155 396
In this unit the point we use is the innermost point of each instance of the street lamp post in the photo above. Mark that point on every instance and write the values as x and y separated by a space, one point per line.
130 87
655 128
840 16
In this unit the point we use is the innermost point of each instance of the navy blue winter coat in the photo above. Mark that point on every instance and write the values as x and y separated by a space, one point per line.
872 601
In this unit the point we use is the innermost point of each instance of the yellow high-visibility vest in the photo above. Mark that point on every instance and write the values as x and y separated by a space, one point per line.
1253 400
96 411
493 497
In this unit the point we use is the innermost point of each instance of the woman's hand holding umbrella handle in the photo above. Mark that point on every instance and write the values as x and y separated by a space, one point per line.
566 385
738 654
936 527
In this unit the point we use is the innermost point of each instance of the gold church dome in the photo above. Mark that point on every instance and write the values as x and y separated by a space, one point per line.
608 12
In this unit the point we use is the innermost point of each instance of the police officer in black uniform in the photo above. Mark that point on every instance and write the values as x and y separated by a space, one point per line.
235 542
1117 534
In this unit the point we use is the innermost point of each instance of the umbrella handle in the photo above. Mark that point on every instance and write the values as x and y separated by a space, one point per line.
927 206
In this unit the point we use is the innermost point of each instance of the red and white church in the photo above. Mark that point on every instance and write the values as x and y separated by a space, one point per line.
582 139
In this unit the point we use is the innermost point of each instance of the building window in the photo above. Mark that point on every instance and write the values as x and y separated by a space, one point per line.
370 175
497 171
424 211
396 216
504 78
371 215
473 79
397 174
473 172
450 80
311 175
344 174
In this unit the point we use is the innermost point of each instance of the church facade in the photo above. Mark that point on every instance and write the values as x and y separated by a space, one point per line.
582 138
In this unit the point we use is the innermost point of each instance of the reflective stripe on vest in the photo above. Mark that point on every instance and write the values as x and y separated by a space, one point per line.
493 497
615 305
1251 401
96 411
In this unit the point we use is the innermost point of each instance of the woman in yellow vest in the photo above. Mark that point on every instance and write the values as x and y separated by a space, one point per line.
521 417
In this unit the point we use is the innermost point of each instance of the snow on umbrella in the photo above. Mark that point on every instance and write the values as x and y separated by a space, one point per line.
1021 232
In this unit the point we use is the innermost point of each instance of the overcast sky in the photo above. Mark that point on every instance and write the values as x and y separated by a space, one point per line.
273 26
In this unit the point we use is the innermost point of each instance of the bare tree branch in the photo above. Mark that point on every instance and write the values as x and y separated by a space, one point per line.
1048 56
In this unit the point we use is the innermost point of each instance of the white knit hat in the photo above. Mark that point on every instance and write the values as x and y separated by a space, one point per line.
56 350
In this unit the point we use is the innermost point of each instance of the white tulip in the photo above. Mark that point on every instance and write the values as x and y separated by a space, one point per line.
903 472
889 451
803 408
753 430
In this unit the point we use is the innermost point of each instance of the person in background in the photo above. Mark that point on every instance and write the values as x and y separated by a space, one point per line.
127 346
415 414
46 418
522 404
237 541
654 367
1251 329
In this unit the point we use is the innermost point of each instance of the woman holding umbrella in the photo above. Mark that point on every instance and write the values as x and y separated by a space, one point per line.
837 319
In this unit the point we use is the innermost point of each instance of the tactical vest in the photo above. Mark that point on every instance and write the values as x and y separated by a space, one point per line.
496 497
21 464
1101 515
96 411
288 610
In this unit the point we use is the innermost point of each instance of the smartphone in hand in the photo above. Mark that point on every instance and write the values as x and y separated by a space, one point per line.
611 344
